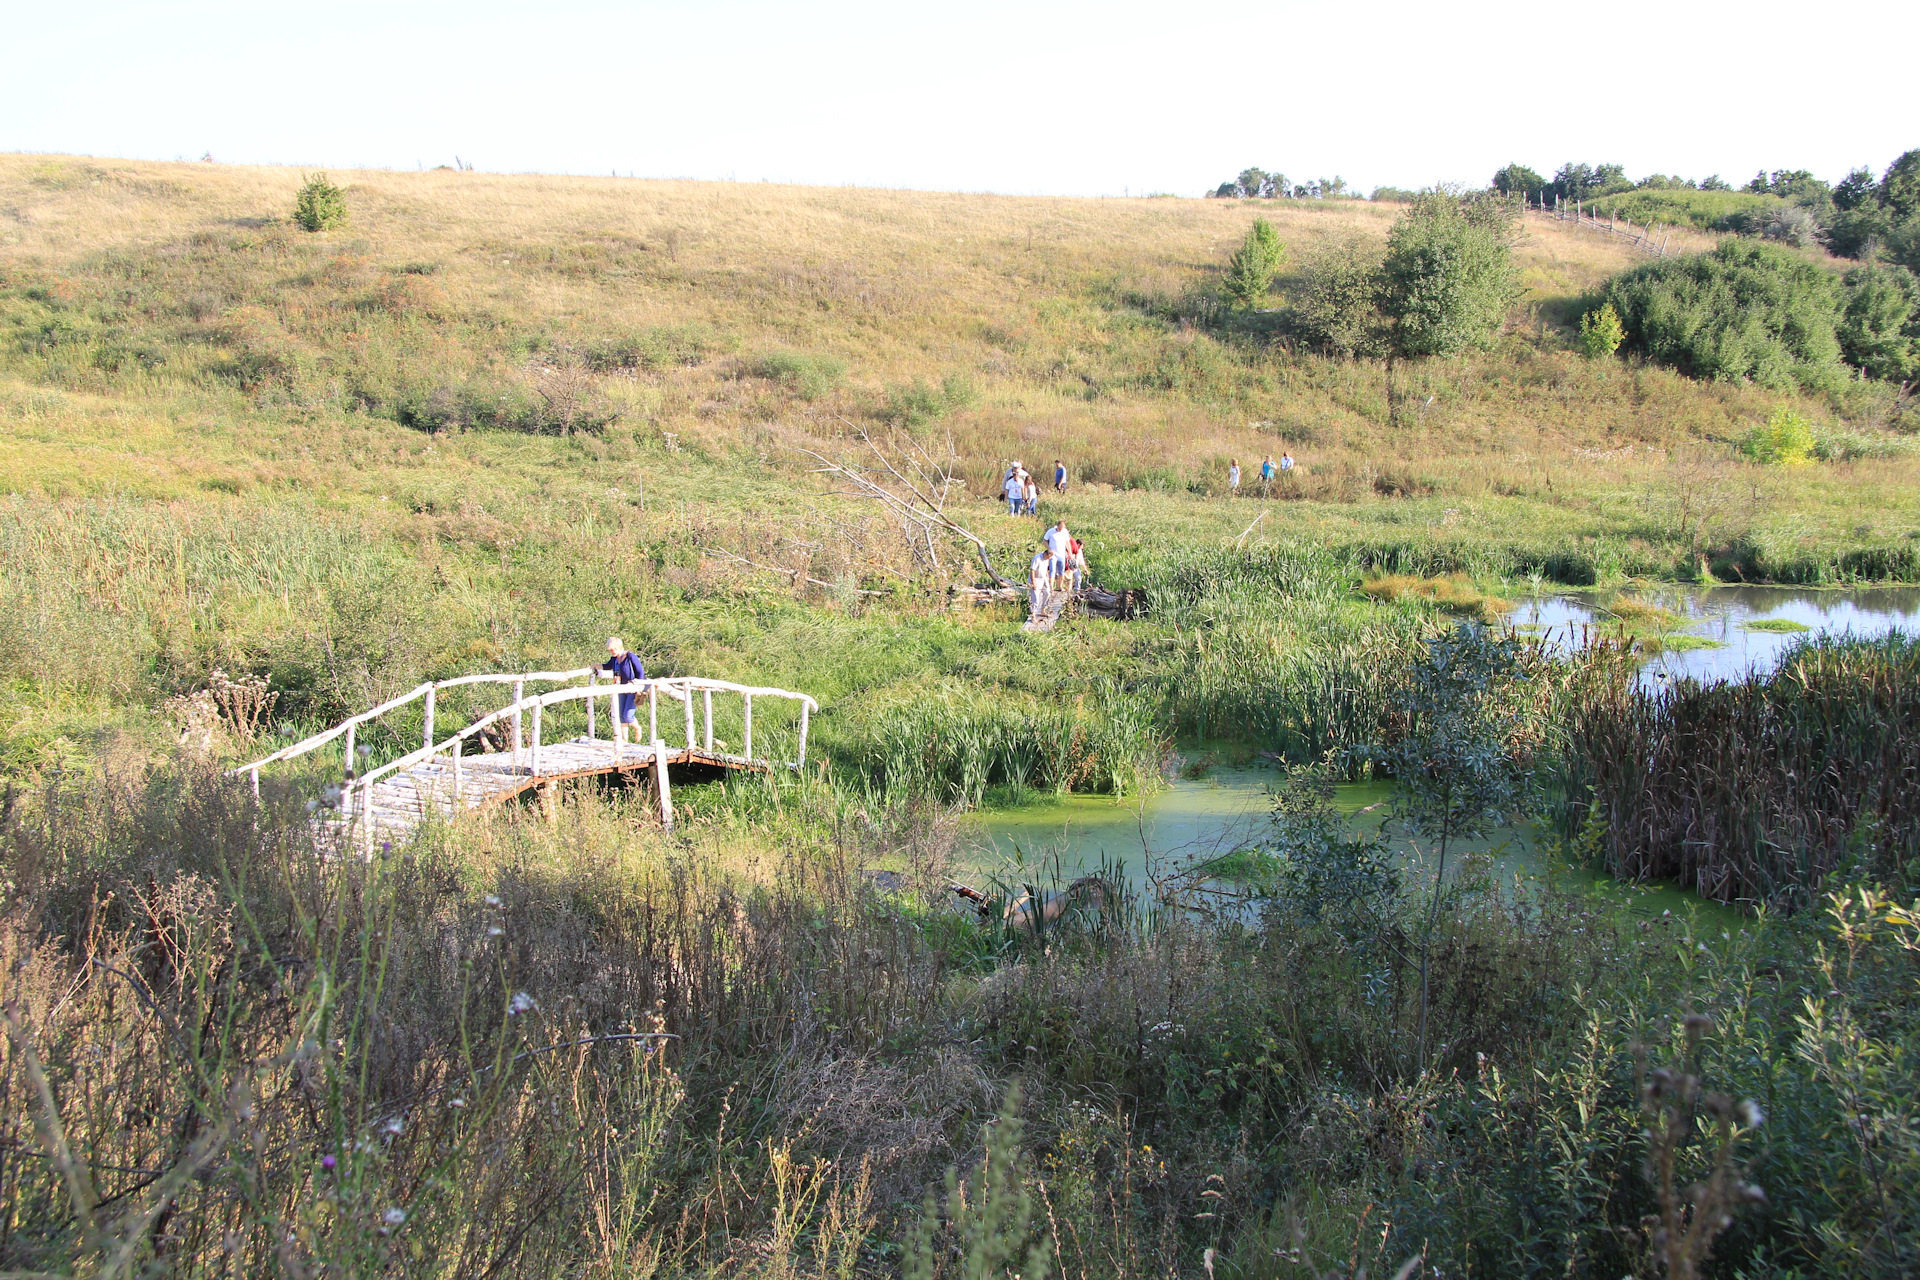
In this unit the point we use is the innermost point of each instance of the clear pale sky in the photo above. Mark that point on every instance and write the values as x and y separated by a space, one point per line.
1048 96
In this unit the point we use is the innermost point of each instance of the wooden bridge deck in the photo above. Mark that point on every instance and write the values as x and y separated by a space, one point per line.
393 807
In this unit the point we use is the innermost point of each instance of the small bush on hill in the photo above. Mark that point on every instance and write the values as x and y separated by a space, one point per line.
1786 439
319 205
809 376
920 402
1601 332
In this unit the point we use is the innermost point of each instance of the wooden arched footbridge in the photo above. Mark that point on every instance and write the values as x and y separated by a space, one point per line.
514 749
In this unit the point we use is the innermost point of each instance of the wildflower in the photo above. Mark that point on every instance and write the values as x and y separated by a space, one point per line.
394 1126
494 931
492 901
520 1003
1751 1115
328 1162
386 846
457 1103
394 1217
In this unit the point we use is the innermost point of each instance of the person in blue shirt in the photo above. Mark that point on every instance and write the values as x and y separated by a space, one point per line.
1059 476
626 669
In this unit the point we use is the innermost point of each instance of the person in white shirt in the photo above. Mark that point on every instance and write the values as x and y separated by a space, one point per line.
1233 479
1033 494
1015 490
1040 579
1286 462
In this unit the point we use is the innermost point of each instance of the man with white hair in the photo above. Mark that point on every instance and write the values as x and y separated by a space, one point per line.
626 669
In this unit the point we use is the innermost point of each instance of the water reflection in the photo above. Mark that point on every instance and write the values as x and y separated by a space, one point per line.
1725 615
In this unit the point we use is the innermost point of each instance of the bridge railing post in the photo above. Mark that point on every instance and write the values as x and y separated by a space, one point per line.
653 712
660 784
539 705
801 763
687 688
457 793
428 740
746 723
613 714
519 692
707 696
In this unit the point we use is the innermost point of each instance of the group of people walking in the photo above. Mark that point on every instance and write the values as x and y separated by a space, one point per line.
1022 491
1269 471
1059 565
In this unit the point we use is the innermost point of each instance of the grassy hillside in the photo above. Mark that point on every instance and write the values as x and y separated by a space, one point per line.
496 417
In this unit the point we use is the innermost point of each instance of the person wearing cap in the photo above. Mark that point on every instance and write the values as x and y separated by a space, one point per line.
1015 489
626 669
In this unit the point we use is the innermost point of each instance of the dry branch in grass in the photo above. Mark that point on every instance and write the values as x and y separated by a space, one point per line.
913 486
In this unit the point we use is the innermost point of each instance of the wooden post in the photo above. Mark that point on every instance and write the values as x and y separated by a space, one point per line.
688 690
346 769
802 761
254 774
427 738
746 719
519 691
457 744
653 711
613 712
706 696
660 786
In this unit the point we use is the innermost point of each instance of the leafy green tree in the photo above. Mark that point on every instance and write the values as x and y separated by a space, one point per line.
1251 269
1856 189
1448 277
1339 309
1253 183
1517 179
1900 186
319 204
1714 182
1456 771
1880 323
1601 332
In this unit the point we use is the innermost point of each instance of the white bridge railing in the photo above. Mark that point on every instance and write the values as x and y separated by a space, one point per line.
525 749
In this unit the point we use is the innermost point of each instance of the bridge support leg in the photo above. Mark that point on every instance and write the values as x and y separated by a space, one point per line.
547 794
660 785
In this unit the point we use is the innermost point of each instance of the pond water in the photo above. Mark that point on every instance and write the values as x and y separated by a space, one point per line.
1194 820
1734 621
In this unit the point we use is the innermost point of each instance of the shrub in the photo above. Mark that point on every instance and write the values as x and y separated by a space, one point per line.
1448 277
809 376
1339 310
319 205
1744 311
1601 332
1880 327
1786 439
919 402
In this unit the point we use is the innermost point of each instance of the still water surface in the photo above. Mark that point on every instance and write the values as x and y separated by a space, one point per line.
1197 819
1725 616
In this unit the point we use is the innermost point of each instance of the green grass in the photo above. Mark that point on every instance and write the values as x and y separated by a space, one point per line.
1779 626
